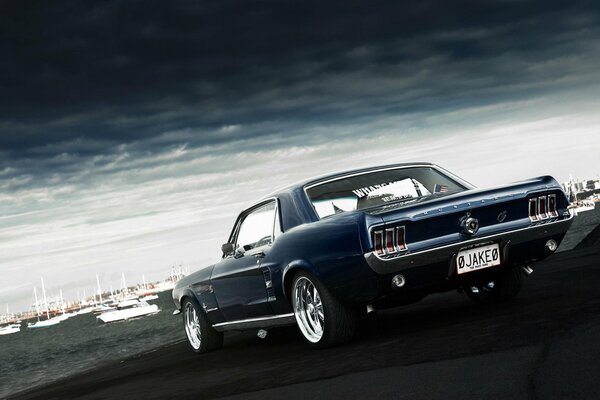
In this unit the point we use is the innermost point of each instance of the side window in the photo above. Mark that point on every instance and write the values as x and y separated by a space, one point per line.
257 228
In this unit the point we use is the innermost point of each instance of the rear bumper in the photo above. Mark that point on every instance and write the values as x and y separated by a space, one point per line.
444 254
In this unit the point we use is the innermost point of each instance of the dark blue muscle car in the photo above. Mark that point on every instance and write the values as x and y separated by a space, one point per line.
323 252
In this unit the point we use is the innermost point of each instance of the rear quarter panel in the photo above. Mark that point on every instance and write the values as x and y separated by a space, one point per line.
332 250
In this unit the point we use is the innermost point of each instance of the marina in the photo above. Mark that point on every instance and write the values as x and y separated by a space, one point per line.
79 343
108 306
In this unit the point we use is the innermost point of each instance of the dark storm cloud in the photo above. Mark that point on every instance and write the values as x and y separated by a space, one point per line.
87 84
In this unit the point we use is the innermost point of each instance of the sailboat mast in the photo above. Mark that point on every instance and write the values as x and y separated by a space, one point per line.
45 299
37 304
99 290
62 302
124 284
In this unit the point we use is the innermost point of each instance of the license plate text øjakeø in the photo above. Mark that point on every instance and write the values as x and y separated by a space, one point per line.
478 258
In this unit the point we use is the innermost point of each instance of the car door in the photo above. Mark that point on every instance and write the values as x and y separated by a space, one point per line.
239 282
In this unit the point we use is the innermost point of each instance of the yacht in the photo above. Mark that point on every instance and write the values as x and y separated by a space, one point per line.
128 309
10 328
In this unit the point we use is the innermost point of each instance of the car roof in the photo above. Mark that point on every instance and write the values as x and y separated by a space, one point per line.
340 174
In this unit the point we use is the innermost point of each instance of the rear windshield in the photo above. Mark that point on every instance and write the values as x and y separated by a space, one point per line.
377 188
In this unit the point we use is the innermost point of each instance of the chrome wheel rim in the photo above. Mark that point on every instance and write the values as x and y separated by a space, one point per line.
192 326
308 309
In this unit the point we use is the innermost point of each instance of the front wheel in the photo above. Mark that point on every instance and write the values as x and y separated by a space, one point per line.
322 319
505 287
201 335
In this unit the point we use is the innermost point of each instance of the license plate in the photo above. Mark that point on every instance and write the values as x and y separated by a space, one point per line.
477 258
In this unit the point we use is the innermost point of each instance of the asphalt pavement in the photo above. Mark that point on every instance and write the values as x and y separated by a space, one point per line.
544 344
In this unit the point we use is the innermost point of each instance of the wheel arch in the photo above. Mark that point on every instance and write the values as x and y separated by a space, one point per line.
188 294
291 270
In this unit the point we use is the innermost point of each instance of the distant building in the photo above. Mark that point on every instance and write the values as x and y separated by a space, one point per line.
578 190
590 184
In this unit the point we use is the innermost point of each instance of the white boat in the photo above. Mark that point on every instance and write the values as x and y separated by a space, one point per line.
46 322
128 309
11 328
65 316
86 310
149 297
102 308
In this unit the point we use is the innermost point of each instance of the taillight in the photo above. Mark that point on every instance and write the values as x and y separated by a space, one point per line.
542 207
533 210
552 206
389 241
400 239
378 242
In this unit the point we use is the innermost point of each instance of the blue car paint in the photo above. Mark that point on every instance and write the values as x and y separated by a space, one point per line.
333 249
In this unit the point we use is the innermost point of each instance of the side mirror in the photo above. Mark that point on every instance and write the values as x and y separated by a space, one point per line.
227 248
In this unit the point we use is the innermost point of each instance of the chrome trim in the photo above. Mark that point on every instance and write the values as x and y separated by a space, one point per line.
443 253
261 322
369 171
248 210
470 225
308 309
380 235
533 217
390 240
192 326
382 231
404 246
527 269
539 204
553 212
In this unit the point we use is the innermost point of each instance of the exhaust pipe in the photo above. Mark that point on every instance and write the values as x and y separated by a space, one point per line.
527 270
370 309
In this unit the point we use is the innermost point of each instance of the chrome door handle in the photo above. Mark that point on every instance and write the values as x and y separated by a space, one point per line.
260 254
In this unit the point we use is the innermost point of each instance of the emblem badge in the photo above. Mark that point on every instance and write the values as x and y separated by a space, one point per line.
502 216
469 225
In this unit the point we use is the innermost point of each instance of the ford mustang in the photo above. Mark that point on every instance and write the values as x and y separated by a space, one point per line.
321 253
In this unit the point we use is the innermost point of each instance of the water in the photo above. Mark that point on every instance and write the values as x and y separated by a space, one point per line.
37 356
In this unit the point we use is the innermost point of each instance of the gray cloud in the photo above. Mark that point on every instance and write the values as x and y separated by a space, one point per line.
88 78
121 122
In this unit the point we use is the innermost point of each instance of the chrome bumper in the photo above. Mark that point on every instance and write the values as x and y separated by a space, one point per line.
445 253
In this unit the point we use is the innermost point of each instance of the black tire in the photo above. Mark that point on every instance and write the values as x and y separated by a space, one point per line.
338 323
504 288
202 337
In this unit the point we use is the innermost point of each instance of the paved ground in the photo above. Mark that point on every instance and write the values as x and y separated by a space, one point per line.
544 344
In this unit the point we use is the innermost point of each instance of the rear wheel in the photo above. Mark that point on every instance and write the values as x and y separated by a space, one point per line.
322 319
201 335
505 287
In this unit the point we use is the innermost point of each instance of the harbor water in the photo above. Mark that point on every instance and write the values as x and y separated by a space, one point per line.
33 357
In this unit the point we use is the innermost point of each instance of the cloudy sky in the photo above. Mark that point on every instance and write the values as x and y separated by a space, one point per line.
132 133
